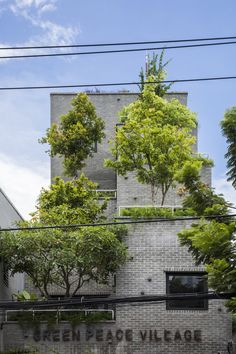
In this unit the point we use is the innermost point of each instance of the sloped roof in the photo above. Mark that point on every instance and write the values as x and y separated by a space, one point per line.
9 215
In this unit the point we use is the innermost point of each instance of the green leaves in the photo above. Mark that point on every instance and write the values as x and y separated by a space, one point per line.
155 140
70 202
155 72
228 126
75 136
65 257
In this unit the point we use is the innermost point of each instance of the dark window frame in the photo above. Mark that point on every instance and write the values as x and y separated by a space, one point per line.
170 306
5 274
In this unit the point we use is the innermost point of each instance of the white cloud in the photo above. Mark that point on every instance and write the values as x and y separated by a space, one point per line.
21 7
51 33
222 186
47 8
22 184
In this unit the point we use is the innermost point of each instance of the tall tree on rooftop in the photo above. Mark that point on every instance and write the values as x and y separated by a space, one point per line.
154 141
75 136
155 71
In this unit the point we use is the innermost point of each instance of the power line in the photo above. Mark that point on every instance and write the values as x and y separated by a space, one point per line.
114 51
119 43
216 78
114 300
111 223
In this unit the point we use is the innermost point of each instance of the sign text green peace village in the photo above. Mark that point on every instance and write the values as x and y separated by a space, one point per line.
117 335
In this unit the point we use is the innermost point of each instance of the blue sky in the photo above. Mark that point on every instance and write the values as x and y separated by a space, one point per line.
25 115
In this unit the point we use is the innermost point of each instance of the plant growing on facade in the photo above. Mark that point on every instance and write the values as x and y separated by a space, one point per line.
65 257
154 141
75 136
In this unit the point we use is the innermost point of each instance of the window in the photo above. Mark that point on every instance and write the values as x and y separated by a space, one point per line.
5 274
95 146
178 283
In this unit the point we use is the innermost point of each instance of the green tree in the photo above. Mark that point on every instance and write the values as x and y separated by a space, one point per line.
199 196
75 136
155 72
65 257
211 242
154 141
228 126
70 202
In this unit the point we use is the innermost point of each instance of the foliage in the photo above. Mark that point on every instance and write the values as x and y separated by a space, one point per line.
74 137
154 142
30 319
70 202
228 126
234 323
201 198
24 296
211 242
91 317
155 72
153 212
21 351
66 257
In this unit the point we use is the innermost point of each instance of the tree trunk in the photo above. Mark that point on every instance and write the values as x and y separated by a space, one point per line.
153 194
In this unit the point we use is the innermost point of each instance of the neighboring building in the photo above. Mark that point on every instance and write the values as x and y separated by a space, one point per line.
157 265
9 216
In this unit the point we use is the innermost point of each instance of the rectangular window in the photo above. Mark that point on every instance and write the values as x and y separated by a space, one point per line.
5 275
95 146
186 283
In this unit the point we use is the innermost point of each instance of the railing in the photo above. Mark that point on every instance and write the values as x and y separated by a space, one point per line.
9 314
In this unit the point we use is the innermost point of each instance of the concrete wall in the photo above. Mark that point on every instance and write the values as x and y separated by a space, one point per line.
108 106
154 250
132 193
9 216
143 328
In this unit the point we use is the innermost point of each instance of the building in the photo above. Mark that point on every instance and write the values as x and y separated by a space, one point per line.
9 216
157 265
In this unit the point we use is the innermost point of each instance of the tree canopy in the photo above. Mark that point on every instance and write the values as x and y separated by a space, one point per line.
211 242
154 141
74 138
65 257
155 72
228 126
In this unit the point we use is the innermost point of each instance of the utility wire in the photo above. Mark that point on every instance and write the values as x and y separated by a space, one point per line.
111 223
117 300
119 43
216 78
114 51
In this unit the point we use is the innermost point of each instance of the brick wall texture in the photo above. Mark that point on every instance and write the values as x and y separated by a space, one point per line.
154 250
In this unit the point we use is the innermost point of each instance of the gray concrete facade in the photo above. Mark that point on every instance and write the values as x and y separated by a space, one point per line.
154 252
147 328
9 216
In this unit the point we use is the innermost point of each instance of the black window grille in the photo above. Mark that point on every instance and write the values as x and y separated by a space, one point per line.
182 283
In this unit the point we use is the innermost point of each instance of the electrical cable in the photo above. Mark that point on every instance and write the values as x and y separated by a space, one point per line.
111 223
218 78
114 51
119 43
118 300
